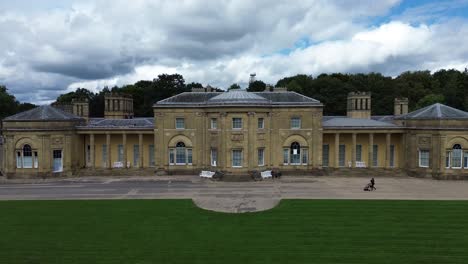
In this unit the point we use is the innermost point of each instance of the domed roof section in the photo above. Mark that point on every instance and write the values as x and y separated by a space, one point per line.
238 97
44 113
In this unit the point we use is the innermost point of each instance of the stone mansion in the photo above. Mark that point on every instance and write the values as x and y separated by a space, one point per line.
236 132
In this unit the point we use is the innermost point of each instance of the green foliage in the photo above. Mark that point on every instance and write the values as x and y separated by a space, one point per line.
234 86
175 231
429 100
256 86
9 105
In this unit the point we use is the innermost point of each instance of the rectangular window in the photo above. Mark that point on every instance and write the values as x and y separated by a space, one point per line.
214 123
171 156
261 123
261 157
295 156
325 155
237 123
120 153
189 156
392 156
104 155
305 156
456 158
180 156
180 123
19 163
375 155
285 156
465 159
342 155
88 154
57 156
214 157
358 152
424 158
136 155
447 159
27 160
152 162
237 158
295 123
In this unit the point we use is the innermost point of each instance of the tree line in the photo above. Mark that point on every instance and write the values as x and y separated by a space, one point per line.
422 88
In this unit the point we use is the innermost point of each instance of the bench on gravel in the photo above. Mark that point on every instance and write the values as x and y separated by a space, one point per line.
207 174
266 174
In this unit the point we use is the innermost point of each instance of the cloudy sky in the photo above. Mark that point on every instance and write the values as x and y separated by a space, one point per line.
49 47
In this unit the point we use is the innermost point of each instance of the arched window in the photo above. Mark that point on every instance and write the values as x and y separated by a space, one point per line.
295 155
456 156
26 158
180 155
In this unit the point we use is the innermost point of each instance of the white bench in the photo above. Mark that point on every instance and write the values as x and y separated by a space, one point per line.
207 174
360 164
117 164
266 174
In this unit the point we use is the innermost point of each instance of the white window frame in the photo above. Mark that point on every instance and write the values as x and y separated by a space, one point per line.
261 157
188 154
234 123
232 158
214 157
296 125
465 159
452 158
60 169
420 158
177 123
214 123
261 123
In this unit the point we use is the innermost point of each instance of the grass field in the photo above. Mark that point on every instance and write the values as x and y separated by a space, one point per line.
175 231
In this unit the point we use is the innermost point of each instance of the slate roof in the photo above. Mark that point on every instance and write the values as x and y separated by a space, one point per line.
44 113
139 122
435 111
345 122
240 97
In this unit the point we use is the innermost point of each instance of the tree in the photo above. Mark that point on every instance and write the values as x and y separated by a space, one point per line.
256 86
429 100
234 86
8 103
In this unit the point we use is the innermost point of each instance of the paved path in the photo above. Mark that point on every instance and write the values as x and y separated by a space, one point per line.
233 196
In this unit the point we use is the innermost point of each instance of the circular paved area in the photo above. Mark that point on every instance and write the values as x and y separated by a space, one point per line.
232 196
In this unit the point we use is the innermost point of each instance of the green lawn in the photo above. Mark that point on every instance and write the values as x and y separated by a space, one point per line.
175 231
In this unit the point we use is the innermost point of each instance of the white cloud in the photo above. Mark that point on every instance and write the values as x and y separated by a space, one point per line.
93 44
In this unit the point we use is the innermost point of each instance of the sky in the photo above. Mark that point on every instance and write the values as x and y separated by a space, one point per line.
50 47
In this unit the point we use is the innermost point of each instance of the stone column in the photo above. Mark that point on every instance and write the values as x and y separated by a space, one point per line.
250 141
124 143
91 150
370 149
109 155
337 150
388 142
140 150
353 151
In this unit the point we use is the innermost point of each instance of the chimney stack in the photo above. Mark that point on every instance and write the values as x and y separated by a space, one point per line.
359 105
81 108
400 106
118 106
